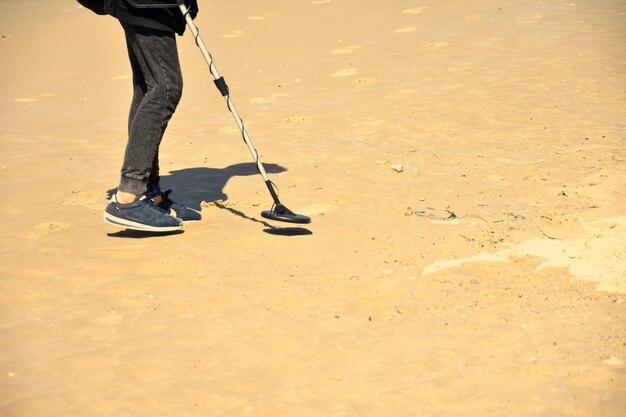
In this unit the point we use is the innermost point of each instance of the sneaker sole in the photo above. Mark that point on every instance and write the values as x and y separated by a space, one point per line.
128 224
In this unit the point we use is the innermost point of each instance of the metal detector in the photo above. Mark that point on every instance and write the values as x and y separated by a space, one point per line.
279 211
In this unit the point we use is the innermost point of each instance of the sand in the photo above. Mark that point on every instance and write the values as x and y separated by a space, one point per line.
463 163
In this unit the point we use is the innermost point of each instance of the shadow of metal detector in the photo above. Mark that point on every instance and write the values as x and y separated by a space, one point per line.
278 211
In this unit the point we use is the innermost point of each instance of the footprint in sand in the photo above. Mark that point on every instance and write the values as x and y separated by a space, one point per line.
415 10
43 229
90 200
405 29
52 226
438 45
347 50
267 99
234 34
295 120
344 72
262 17
363 82
291 121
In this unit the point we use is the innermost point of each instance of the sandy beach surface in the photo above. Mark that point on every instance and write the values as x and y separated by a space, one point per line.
463 163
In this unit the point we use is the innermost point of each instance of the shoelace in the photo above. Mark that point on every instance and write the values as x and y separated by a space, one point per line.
146 200
166 204
165 195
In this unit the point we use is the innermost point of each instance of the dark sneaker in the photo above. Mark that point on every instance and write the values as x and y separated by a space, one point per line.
182 212
141 214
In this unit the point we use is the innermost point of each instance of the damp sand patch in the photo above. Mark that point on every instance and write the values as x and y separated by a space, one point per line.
596 256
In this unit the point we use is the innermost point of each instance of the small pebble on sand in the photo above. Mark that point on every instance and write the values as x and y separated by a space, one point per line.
397 167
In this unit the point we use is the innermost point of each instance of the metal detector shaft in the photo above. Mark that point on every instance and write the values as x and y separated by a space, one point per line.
221 85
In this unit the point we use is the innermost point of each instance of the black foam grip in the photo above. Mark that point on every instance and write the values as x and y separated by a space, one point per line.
221 85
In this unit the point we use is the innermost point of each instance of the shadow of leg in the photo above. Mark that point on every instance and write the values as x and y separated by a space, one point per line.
139 234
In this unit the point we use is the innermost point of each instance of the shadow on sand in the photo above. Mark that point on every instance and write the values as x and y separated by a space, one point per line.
193 186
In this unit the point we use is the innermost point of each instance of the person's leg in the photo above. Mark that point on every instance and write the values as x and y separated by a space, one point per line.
157 86
139 83
157 83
